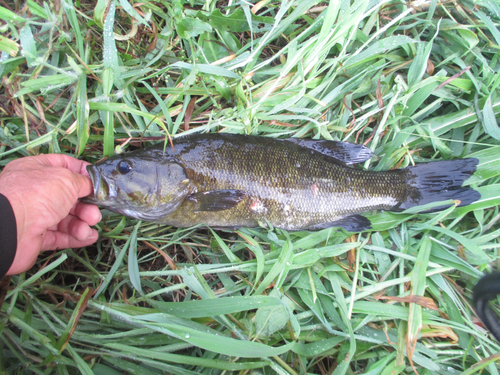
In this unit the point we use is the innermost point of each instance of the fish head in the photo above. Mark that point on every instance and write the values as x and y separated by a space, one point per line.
139 186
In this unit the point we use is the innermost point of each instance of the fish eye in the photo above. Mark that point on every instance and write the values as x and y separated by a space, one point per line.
124 166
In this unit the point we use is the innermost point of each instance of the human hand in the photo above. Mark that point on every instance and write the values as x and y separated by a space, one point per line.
43 191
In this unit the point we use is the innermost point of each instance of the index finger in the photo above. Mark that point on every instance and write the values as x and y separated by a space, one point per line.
64 161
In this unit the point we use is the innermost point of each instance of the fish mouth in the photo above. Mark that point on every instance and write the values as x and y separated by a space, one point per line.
101 188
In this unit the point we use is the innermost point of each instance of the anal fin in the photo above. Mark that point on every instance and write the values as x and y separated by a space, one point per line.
216 200
352 223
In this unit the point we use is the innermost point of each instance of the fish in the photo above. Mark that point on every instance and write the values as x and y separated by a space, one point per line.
231 181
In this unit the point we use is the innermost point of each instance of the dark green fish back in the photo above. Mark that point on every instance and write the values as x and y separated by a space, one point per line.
290 186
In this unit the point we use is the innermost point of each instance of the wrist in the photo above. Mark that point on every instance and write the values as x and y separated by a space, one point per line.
8 235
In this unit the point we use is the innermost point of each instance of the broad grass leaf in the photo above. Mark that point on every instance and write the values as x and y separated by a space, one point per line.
9 46
489 120
117 229
48 83
206 68
28 44
15 145
310 239
490 197
393 368
82 366
270 319
50 267
331 14
82 113
132 12
100 12
430 206
39 338
227 251
37 9
196 282
492 28
119 259
489 159
394 147
107 117
351 346
286 256
40 141
426 88
386 220
315 348
479 256
66 334
133 264
461 83
381 365
109 52
446 258
189 27
419 63
69 9
162 105
443 124
451 303
234 22
127 366
8 15
378 47
418 277
212 49
468 36
340 316
223 344
380 309
121 107
186 359
100 369
215 306
309 257
304 289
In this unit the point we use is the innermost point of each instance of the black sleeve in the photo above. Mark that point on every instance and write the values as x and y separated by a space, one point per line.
8 235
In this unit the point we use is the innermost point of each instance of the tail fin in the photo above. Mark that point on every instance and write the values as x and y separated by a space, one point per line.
439 181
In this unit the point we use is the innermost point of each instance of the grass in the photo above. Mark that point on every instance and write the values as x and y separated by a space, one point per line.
414 81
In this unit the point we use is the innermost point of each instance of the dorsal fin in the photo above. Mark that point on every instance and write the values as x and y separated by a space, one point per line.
347 153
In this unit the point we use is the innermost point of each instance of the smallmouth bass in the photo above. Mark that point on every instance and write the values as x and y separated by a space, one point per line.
232 181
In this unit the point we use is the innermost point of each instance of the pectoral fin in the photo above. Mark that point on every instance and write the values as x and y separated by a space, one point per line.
347 153
352 223
216 200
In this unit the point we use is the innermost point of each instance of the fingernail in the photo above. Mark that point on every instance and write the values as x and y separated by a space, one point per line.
90 235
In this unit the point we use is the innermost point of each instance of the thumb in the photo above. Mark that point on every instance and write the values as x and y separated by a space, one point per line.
83 185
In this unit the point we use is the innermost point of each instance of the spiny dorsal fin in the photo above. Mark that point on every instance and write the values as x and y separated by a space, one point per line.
347 153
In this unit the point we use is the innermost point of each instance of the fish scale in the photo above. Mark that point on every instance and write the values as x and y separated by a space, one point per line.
231 181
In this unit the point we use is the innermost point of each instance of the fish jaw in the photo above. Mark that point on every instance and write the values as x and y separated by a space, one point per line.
102 189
